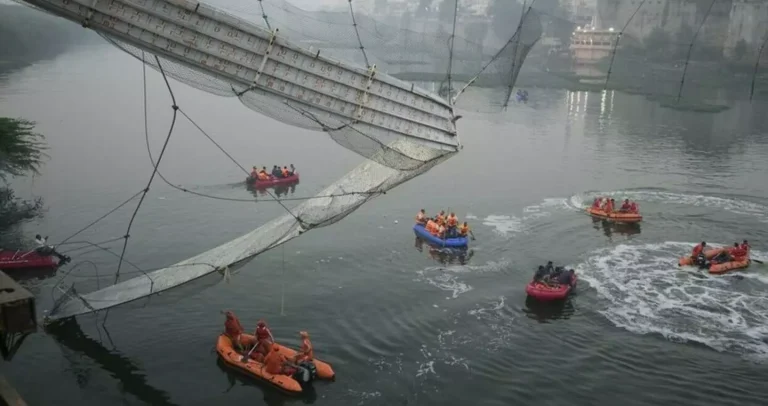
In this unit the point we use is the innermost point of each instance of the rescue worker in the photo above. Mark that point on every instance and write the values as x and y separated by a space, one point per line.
274 361
255 173
464 230
745 245
305 353
441 217
625 207
292 171
421 217
451 223
441 231
609 206
633 207
285 172
596 203
738 253
431 226
698 250
264 338
233 329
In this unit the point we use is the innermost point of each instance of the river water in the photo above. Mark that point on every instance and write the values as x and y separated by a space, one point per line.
400 323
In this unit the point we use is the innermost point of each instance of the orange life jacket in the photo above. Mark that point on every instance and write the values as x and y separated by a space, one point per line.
285 172
452 221
441 231
307 353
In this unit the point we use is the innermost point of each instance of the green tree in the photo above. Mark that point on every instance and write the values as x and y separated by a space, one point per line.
21 153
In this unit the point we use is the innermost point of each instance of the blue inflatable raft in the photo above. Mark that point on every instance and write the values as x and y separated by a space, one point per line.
422 233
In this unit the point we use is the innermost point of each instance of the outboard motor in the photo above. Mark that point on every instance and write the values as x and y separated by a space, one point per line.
305 373
701 261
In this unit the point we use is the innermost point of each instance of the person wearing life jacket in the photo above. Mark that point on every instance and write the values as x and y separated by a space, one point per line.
565 277
633 207
745 245
441 217
255 173
609 206
464 229
292 171
306 353
276 173
698 250
625 207
441 231
274 361
451 223
285 172
596 203
738 253
264 338
263 175
430 227
421 217
233 329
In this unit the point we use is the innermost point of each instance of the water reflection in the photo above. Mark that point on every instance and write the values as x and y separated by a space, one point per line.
277 190
445 255
272 395
547 311
70 335
609 227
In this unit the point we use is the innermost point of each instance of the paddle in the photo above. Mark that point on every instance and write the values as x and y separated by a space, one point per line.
246 357
758 261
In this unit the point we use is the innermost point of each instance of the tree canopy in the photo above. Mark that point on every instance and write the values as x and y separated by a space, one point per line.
21 148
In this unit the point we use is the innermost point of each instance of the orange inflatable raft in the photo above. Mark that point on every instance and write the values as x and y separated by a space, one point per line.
616 216
717 268
256 369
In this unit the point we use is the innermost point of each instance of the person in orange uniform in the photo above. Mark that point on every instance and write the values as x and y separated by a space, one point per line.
263 175
430 227
441 217
264 338
306 353
233 329
274 361
464 229
421 217
441 231
738 253
609 206
596 202
698 250
633 207
451 223
745 246
625 207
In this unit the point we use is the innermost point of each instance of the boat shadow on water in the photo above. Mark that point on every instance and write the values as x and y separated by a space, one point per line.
272 395
544 312
445 255
609 227
277 190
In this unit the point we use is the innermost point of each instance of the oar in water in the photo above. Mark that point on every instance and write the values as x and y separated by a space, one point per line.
758 261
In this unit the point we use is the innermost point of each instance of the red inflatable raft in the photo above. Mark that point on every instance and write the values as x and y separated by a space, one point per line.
720 268
273 181
616 216
544 292
12 260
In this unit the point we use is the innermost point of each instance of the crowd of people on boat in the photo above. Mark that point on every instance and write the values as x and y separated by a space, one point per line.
442 226
608 205
736 253
552 275
277 172
265 350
